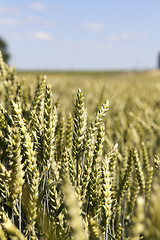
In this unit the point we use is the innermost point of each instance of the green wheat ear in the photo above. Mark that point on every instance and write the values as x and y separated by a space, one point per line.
145 157
105 194
47 132
9 228
79 130
31 171
15 163
125 182
148 186
16 171
73 211
38 94
2 234
4 182
138 220
152 229
134 190
71 167
60 137
94 230
112 159
93 126
5 118
138 170
69 132
94 182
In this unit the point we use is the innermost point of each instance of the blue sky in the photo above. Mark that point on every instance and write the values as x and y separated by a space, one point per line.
81 35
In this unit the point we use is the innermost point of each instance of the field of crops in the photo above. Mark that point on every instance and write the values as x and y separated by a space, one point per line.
79 155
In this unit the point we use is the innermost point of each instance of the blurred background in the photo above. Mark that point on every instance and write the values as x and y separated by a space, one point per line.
81 35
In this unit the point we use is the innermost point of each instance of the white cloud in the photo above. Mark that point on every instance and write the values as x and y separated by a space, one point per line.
10 11
8 22
94 26
30 20
42 36
125 37
38 6
33 20
39 21
38 35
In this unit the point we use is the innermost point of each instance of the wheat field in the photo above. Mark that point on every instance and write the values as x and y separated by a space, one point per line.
79 155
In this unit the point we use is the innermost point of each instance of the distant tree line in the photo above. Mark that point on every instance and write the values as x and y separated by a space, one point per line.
4 50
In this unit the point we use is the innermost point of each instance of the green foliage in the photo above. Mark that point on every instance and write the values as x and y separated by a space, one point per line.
4 50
